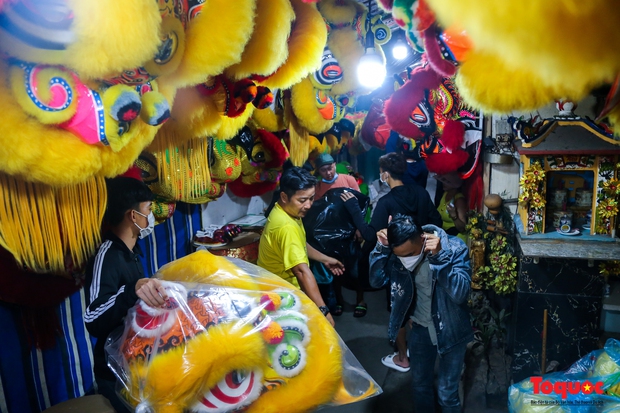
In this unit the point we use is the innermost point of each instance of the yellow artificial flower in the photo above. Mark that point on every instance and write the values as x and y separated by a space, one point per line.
608 208
612 187
528 181
537 172
524 198
538 201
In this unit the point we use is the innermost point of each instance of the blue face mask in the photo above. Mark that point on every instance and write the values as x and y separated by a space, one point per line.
332 181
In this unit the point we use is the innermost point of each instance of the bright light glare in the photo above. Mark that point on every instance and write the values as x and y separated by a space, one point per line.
371 70
400 50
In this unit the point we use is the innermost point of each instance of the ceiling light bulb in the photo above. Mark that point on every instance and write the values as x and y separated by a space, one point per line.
371 70
400 50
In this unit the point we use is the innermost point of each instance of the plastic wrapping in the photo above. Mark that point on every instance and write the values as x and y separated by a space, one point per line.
330 228
592 384
233 337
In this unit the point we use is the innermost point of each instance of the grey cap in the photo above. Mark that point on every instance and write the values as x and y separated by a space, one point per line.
323 159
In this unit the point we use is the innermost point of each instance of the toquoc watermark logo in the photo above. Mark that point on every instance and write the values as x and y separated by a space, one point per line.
564 388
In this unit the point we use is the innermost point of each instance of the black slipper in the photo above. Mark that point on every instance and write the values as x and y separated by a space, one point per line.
337 310
360 310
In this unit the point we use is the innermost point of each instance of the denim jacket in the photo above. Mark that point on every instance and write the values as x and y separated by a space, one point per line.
451 285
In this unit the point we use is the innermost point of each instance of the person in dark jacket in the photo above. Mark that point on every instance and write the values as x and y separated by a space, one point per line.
114 276
430 278
411 200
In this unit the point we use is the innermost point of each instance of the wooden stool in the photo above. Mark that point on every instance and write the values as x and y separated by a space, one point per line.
90 404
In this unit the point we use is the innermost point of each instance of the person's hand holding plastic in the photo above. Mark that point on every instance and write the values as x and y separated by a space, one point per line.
345 196
432 244
152 292
350 202
335 266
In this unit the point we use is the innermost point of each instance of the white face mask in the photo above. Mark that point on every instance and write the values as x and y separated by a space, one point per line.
332 181
145 232
411 262
381 178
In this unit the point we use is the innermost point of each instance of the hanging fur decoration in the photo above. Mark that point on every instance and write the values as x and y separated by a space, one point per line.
299 137
261 162
51 229
83 36
305 46
182 169
212 27
267 48
323 98
521 89
405 110
523 34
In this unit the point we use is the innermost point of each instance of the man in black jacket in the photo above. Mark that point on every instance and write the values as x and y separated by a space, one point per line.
411 200
115 278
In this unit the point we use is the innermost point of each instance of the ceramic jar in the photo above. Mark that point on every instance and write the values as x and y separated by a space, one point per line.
583 197
558 197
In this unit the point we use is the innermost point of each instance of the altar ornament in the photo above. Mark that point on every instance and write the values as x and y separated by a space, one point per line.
532 194
592 150
232 336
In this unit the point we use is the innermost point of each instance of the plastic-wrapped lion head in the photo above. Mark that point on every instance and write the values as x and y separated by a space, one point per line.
231 337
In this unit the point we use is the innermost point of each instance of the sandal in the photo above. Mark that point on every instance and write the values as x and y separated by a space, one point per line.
337 310
388 361
360 310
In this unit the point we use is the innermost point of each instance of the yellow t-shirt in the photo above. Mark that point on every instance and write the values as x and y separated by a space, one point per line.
282 245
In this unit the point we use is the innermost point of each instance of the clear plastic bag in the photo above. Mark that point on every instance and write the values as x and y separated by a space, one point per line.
567 392
233 337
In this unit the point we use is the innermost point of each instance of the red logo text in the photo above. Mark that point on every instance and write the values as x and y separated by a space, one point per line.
563 388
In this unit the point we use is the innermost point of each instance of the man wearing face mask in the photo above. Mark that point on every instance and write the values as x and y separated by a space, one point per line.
114 276
430 277
326 167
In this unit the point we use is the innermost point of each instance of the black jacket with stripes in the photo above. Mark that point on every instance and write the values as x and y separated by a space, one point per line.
111 278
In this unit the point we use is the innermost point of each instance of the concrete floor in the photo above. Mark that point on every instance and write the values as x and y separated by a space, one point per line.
366 337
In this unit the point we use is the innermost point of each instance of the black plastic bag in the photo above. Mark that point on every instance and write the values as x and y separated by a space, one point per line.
330 228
